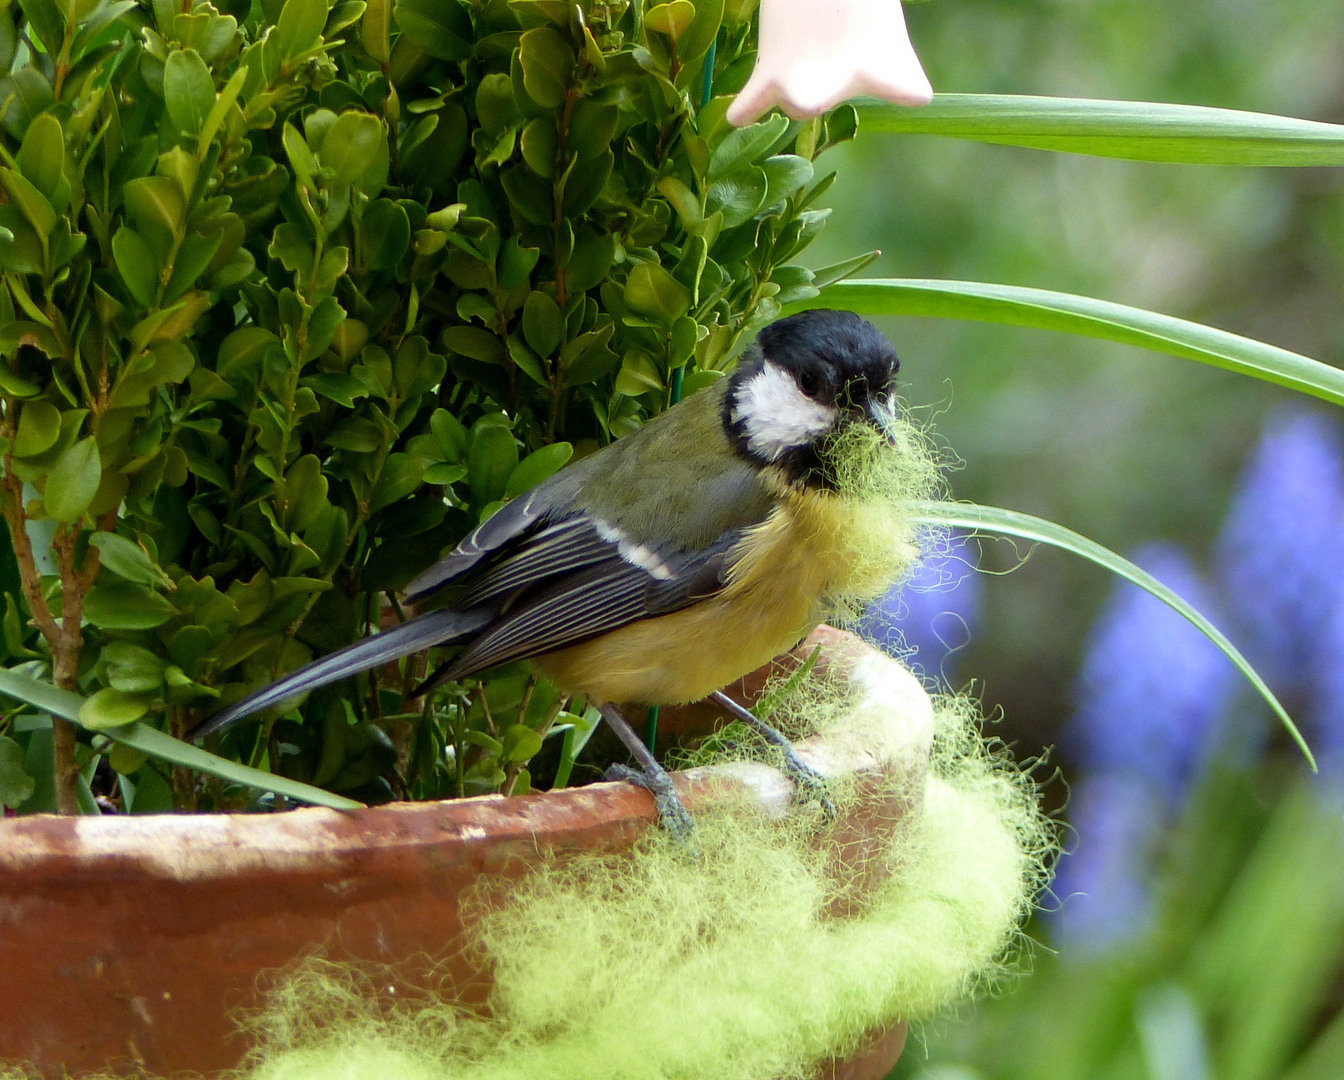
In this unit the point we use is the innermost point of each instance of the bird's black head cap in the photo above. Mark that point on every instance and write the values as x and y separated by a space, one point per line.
802 379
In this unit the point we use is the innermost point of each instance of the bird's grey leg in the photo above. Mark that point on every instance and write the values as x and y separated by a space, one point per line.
672 815
802 774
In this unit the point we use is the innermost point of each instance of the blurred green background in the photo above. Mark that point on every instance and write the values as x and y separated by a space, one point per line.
1118 443
1238 973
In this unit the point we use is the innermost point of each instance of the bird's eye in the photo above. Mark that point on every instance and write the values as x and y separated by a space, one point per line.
808 383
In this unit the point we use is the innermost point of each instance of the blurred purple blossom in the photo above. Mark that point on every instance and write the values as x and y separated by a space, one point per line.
1152 688
1325 718
929 618
1103 883
1278 552
1154 695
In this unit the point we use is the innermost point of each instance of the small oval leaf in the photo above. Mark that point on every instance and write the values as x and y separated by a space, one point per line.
73 481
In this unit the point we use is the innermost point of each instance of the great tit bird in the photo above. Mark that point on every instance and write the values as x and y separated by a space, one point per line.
665 565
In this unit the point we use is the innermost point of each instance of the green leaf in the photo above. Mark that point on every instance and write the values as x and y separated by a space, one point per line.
164 747
137 266
1011 523
673 19
244 349
1138 130
695 39
342 389
543 324
110 708
15 784
739 196
578 730
32 202
73 481
375 28
124 605
520 741
1083 315
155 202
784 175
356 434
441 27
655 294
531 195
351 146
299 29
534 468
131 669
586 183
195 254
742 146
474 342
39 428
223 103
449 435
28 93
540 144
491 460
188 90
829 275
42 155
591 129
128 560
401 475
515 263
548 64
638 375
385 234
13 631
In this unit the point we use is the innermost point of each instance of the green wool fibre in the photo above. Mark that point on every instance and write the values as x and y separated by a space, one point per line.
727 966
876 474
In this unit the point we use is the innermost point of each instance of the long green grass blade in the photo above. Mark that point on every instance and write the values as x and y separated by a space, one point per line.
1137 130
1011 523
159 745
1015 305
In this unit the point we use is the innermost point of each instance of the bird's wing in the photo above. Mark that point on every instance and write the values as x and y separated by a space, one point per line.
513 521
619 588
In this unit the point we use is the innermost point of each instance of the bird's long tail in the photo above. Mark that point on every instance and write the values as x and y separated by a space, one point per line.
442 627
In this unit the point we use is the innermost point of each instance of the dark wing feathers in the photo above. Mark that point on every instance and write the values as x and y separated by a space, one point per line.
512 521
592 601
562 548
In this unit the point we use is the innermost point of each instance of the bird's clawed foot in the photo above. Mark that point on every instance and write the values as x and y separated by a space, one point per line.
672 814
810 784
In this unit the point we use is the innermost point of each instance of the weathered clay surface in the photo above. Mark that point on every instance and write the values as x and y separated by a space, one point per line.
129 942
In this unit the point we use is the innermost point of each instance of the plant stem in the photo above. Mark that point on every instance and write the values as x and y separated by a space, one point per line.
65 659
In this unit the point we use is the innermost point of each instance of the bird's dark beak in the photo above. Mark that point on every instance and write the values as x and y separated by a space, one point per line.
882 416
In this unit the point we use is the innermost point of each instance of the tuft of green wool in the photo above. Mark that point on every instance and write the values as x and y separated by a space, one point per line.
725 967
877 473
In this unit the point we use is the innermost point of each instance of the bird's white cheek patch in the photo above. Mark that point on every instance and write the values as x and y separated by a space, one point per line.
778 417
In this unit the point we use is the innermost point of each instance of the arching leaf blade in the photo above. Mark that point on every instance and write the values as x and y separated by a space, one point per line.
1014 305
1012 523
1135 130
157 744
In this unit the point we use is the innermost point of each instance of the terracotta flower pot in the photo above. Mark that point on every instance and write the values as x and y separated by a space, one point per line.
129 941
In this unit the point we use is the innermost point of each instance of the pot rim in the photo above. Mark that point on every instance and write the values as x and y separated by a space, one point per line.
893 733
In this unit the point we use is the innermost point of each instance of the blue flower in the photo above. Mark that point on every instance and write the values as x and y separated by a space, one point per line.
1278 552
1152 690
929 618
1104 883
